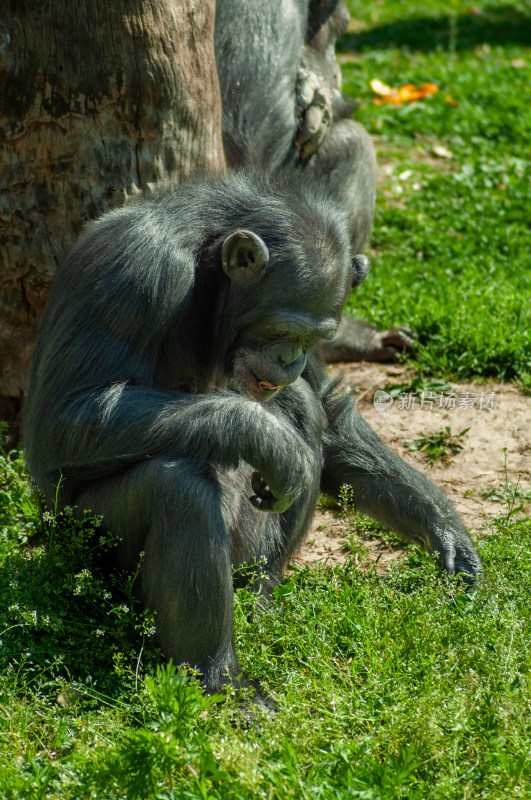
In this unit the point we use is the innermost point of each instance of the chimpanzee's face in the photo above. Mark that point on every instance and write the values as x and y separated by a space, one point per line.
290 319
284 302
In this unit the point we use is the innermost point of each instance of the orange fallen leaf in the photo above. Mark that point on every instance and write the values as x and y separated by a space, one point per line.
406 94
379 101
449 99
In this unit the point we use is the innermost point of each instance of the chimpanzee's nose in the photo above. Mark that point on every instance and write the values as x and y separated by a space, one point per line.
285 353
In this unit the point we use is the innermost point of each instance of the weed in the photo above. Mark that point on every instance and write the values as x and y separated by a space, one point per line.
525 383
346 500
19 516
438 446
507 492
510 494
425 388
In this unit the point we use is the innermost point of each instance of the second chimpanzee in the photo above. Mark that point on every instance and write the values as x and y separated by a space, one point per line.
280 86
176 391
283 106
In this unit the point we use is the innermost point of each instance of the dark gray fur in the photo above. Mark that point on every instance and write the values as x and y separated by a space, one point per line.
136 408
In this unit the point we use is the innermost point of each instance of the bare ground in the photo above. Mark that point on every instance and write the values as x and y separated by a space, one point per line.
497 446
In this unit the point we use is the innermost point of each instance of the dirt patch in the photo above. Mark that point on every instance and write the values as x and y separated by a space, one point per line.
499 441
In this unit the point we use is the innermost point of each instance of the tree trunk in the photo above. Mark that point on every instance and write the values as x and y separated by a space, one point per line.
97 102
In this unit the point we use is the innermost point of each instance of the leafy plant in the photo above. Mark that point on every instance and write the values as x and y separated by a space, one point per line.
525 383
19 515
425 388
439 445
170 750
510 494
506 492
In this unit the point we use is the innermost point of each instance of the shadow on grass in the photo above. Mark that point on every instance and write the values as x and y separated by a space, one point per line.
63 619
497 25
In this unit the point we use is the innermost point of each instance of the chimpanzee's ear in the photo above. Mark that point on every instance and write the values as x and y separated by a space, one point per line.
243 256
360 268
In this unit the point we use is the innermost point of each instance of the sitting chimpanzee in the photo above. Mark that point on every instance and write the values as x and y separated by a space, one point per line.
283 107
176 391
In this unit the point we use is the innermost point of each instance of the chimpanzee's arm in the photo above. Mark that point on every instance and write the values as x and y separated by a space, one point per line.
391 491
106 430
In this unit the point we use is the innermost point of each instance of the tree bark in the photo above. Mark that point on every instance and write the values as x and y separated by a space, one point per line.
98 101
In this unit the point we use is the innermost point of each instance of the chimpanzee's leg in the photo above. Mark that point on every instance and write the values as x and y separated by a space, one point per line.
171 511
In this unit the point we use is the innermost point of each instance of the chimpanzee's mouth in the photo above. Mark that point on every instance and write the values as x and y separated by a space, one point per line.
248 382
266 386
261 389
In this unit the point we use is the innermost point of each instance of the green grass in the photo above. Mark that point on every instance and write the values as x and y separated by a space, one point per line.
395 687
388 688
452 239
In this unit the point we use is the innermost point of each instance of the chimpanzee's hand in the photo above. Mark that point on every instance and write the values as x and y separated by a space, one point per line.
456 553
263 498
280 482
314 112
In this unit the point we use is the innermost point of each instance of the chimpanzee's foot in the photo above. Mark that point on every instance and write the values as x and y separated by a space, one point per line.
314 112
356 340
